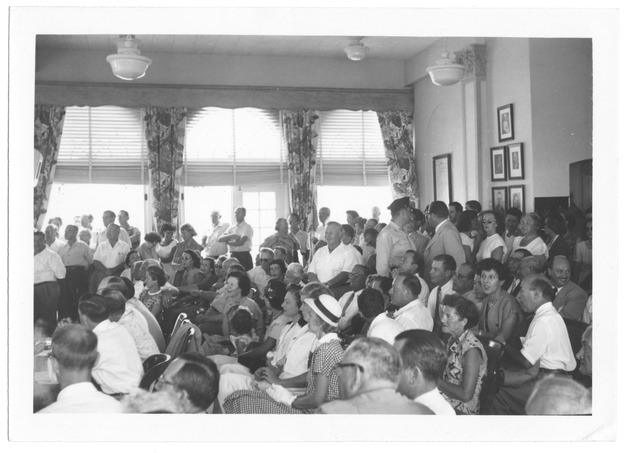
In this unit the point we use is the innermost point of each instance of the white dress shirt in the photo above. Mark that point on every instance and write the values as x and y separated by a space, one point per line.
118 369
213 246
82 398
414 315
436 402
327 265
445 289
100 236
111 256
48 267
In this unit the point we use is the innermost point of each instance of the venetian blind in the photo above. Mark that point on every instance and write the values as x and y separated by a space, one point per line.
351 150
101 145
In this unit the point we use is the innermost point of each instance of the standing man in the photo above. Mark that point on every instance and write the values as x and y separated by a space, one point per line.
48 269
446 240
320 232
214 248
52 238
392 242
77 257
132 231
109 258
238 238
441 274
100 236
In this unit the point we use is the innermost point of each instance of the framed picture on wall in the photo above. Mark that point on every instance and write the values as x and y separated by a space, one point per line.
442 178
515 161
497 164
516 196
499 199
505 117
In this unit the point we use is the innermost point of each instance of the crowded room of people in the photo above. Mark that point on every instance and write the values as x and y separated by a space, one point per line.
259 224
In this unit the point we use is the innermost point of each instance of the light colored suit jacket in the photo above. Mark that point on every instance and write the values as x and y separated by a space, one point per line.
570 301
446 241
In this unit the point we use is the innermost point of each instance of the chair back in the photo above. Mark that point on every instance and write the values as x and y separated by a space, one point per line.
153 360
494 351
152 375
186 338
178 322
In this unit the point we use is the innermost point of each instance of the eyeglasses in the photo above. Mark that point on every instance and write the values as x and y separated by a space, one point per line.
265 260
338 367
458 276
487 222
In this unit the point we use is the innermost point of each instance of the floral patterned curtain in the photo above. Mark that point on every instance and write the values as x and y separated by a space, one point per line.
165 130
397 132
48 128
300 130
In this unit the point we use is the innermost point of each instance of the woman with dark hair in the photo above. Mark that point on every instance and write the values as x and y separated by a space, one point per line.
500 311
493 245
282 238
322 382
277 269
555 229
530 223
467 361
190 274
147 250
285 363
152 296
188 234
131 258
166 248
238 287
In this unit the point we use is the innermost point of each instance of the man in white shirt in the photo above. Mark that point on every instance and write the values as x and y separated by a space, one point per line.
349 301
546 346
52 238
108 219
48 269
132 231
109 258
411 314
212 247
424 360
238 238
332 263
77 257
320 232
441 273
73 355
118 369
392 242
260 274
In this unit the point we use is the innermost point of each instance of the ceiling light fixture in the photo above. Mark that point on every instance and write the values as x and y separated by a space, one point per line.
356 51
128 64
446 71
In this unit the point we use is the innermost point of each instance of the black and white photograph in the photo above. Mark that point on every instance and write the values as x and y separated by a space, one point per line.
292 211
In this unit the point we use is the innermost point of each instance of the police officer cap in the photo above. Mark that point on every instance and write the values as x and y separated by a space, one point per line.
399 203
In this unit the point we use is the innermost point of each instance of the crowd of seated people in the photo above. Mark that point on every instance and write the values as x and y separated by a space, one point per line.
401 317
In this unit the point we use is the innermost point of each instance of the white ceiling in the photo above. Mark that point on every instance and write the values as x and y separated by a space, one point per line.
380 47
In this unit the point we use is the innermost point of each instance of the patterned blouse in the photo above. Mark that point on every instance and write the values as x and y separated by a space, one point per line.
454 372
322 361
150 300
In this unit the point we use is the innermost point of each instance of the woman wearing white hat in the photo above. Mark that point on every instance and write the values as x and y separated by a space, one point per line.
322 314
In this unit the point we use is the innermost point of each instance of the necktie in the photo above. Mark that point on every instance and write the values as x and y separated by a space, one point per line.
437 325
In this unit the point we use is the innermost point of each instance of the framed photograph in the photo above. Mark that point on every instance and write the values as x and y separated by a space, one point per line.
499 199
497 163
505 117
517 197
515 161
442 178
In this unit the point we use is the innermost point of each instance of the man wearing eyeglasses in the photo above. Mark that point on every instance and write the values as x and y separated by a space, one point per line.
464 283
260 274
194 380
369 373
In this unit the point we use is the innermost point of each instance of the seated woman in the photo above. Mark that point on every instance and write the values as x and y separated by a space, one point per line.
294 274
188 234
493 246
166 248
131 258
153 297
277 269
147 249
500 311
190 272
467 361
530 240
287 362
321 314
